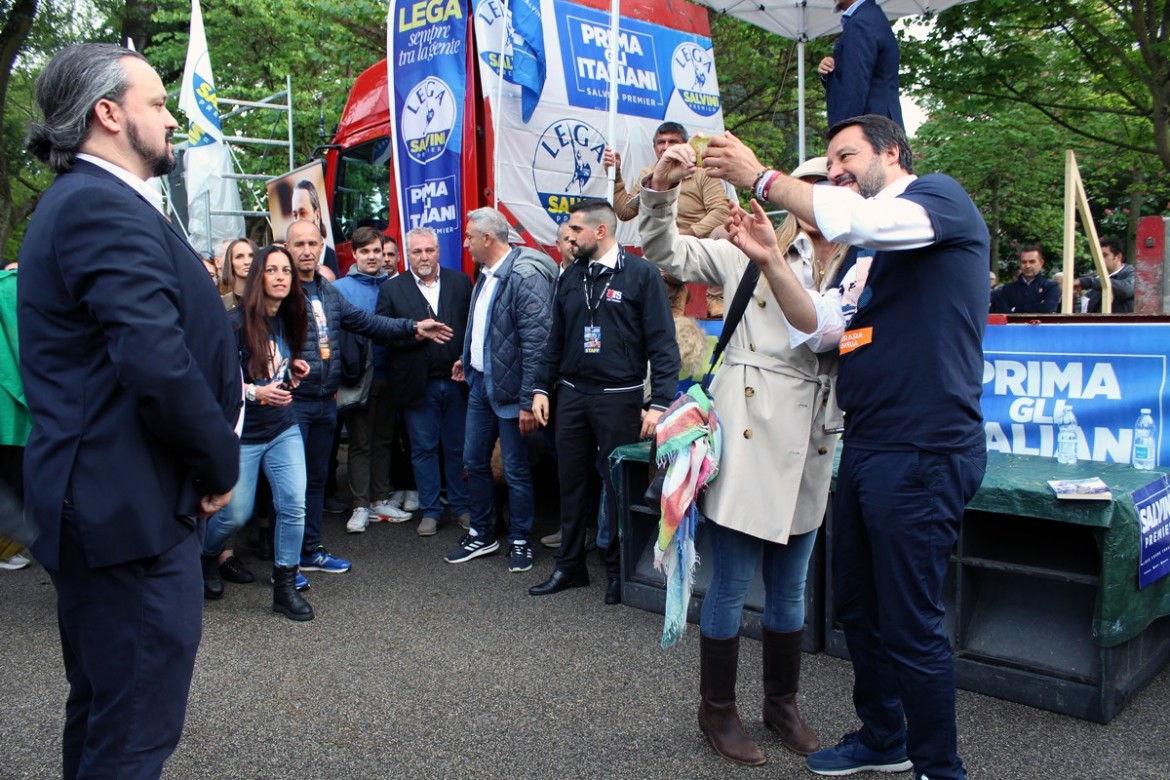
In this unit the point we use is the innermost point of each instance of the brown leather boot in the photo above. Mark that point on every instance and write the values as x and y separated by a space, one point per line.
781 681
718 717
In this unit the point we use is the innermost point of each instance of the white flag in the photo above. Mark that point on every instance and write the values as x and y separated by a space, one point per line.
207 156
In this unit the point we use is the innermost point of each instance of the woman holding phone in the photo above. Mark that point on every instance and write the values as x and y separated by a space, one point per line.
270 325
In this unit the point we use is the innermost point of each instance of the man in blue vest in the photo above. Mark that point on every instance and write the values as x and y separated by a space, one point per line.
910 321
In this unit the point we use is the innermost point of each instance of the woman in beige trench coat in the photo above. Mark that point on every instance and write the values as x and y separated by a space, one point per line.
773 394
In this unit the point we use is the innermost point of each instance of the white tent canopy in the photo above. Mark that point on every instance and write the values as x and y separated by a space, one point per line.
803 20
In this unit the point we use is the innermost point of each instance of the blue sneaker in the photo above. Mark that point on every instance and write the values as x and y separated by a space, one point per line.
850 756
321 560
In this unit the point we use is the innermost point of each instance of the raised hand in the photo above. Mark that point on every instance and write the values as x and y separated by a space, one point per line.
728 158
674 164
753 234
612 159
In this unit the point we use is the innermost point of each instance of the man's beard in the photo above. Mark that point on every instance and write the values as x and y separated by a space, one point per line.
874 180
158 163
582 252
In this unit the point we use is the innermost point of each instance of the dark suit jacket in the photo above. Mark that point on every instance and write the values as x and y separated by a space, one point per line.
412 361
130 369
865 73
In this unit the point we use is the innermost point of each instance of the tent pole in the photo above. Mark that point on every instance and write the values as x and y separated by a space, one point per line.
615 8
800 91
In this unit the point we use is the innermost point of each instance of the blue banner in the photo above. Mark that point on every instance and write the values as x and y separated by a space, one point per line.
1106 372
427 61
1153 510
653 62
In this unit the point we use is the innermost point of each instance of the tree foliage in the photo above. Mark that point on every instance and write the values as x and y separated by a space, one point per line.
1010 86
758 79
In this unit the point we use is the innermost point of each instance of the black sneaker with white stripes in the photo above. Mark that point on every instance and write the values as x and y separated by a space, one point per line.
472 547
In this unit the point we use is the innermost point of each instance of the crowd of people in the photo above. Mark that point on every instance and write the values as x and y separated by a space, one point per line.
154 414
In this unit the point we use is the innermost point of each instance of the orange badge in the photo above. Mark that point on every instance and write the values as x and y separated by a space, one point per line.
852 339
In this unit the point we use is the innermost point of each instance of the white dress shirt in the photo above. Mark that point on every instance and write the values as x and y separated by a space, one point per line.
429 291
479 317
883 222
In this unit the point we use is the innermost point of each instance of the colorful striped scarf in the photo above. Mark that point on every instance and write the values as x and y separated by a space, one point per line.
689 441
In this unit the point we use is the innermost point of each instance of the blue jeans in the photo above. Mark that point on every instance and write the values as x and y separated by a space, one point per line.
734 556
439 419
603 505
283 460
896 517
317 418
483 426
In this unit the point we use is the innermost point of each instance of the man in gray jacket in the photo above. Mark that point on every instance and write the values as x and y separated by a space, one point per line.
1121 275
507 328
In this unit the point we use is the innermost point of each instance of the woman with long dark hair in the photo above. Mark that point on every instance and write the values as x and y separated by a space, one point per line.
270 325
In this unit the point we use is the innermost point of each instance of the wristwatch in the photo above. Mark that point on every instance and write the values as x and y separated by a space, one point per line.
250 393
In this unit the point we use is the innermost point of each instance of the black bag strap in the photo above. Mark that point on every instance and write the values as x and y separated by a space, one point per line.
731 317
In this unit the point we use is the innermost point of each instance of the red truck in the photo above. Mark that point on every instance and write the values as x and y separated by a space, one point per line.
359 177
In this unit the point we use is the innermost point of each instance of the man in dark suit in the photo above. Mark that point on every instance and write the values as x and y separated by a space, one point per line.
133 382
434 406
862 75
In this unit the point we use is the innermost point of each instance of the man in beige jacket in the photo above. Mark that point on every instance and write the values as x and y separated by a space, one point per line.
702 200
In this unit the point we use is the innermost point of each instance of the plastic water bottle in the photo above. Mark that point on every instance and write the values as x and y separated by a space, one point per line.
1066 438
1143 441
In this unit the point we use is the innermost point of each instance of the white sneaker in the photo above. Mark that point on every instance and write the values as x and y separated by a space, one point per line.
397 498
410 503
358 521
384 511
17 561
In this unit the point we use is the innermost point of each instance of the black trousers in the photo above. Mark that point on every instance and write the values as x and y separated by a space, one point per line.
585 425
129 634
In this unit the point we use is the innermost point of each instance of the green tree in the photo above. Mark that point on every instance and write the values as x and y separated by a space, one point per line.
1018 83
758 79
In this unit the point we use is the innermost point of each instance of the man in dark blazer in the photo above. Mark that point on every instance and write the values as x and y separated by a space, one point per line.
862 75
434 406
133 381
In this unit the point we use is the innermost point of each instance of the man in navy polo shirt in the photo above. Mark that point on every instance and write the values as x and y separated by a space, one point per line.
914 448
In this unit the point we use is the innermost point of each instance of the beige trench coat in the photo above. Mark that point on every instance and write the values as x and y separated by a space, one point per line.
777 461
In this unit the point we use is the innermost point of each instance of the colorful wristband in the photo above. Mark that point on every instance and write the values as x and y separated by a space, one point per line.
766 185
759 178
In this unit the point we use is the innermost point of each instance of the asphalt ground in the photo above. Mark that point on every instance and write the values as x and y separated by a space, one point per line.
415 668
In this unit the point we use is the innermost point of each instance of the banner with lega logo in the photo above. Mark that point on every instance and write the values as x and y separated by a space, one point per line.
426 57
662 74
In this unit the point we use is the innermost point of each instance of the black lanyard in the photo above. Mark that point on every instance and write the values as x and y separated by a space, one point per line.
592 305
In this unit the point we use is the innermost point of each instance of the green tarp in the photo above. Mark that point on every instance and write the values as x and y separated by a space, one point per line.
1017 486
